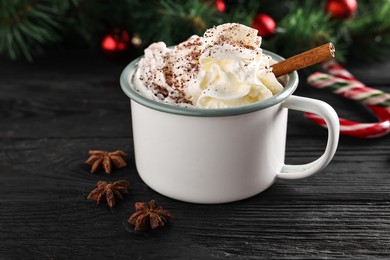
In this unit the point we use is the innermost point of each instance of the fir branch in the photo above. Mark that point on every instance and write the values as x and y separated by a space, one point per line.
242 14
25 25
305 27
193 16
87 21
172 21
370 31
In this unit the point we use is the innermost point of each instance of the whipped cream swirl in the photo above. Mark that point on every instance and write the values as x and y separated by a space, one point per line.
224 68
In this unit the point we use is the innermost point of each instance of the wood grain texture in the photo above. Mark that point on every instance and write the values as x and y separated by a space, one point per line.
55 110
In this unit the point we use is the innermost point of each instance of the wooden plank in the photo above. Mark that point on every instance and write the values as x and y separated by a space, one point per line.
342 211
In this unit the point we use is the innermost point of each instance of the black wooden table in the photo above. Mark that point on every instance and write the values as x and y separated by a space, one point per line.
54 110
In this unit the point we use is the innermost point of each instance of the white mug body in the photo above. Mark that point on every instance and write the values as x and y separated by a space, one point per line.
209 159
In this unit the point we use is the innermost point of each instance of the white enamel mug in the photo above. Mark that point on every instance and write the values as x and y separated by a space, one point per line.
220 155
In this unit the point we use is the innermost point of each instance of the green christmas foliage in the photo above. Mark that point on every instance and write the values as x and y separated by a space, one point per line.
171 21
369 32
29 27
26 26
303 28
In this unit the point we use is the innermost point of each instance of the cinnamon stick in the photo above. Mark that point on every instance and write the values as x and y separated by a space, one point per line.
305 59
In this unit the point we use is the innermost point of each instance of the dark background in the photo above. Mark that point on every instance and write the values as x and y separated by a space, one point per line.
56 109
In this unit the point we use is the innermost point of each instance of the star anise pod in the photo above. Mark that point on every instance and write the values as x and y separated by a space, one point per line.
149 215
106 159
109 191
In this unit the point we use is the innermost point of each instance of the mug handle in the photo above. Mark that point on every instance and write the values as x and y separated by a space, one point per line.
332 121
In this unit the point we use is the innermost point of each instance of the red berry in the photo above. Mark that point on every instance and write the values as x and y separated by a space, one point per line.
264 24
341 9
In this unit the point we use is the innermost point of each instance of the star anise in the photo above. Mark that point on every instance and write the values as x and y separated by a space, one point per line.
149 215
106 159
109 191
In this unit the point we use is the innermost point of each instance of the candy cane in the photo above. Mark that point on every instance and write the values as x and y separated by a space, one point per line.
337 70
343 83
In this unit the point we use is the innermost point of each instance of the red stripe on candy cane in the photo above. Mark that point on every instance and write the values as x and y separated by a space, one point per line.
335 69
343 83
351 128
